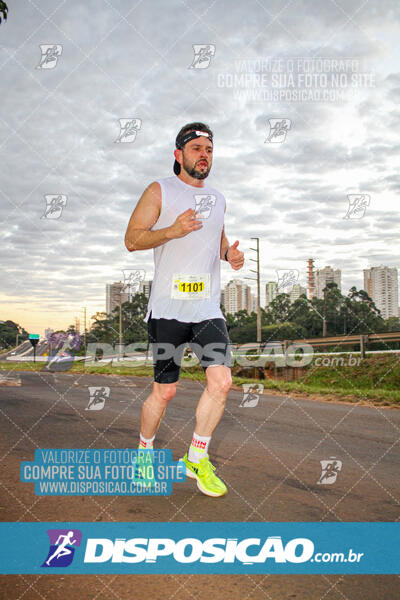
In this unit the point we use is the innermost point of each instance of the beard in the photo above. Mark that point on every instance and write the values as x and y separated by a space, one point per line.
193 171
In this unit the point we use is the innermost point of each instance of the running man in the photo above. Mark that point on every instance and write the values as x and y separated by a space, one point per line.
62 549
183 220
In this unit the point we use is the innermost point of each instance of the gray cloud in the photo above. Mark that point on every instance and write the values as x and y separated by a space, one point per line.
58 129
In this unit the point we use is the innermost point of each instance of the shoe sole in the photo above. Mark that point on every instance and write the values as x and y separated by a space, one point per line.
192 475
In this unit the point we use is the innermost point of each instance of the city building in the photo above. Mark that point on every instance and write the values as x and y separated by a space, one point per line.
237 296
145 287
310 278
113 295
381 284
253 302
77 324
270 292
325 276
296 291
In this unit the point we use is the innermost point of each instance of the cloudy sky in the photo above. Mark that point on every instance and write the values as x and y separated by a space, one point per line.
125 60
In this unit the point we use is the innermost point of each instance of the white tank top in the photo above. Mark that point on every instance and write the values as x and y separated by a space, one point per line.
190 263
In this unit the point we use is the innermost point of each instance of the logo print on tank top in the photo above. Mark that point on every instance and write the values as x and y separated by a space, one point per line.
204 204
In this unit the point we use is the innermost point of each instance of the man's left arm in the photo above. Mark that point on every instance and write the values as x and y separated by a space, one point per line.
234 256
224 244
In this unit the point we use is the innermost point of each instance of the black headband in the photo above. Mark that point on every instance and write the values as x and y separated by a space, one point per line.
186 137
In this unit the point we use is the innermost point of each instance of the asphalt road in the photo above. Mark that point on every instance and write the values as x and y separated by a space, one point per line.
268 455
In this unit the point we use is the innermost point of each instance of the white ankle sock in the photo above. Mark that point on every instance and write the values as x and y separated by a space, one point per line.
198 448
146 443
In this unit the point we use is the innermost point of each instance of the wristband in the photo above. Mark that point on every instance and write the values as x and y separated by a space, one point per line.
226 255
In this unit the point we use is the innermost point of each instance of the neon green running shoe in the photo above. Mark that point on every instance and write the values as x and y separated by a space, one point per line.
207 481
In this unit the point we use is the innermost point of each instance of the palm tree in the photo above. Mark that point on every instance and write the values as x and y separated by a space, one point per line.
3 10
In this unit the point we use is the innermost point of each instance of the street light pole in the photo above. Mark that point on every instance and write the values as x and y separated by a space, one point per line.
257 261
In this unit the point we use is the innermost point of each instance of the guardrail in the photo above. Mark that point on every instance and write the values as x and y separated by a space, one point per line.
337 340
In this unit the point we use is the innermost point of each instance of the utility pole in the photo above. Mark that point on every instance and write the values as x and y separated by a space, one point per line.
120 324
324 317
84 330
257 261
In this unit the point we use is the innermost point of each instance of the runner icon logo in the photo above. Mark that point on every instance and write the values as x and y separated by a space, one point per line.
286 278
358 204
128 130
55 203
50 55
251 394
203 54
62 547
98 396
330 469
278 129
132 281
204 204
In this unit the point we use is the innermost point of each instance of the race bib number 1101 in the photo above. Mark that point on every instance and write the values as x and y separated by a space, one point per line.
190 287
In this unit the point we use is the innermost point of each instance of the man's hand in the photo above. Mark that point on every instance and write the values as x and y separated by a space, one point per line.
235 257
184 224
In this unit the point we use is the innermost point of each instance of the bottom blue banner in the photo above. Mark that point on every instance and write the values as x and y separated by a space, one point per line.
218 548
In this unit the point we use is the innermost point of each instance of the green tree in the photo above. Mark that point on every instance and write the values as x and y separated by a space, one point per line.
360 313
105 328
393 324
242 318
305 316
102 329
134 328
8 334
362 296
265 316
283 331
3 10
243 334
279 308
333 303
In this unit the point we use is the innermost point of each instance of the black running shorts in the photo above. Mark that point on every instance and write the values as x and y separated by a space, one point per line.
208 339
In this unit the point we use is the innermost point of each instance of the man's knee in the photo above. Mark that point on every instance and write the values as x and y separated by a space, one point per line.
165 391
219 379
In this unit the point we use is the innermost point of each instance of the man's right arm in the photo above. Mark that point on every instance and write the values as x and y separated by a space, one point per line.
138 235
